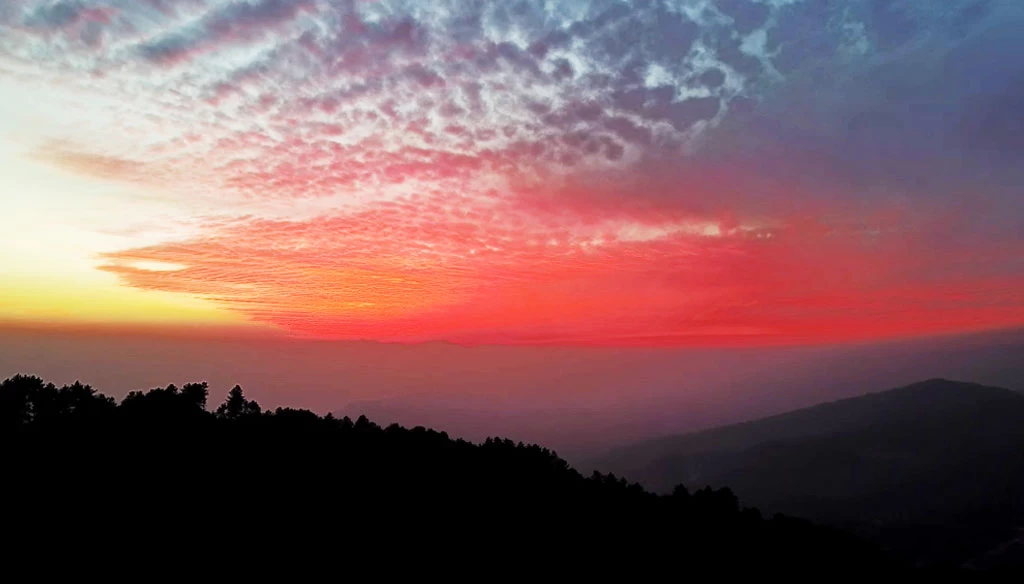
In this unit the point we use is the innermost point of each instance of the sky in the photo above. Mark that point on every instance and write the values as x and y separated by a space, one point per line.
645 173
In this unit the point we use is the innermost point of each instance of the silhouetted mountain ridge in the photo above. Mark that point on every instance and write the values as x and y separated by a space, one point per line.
943 454
929 397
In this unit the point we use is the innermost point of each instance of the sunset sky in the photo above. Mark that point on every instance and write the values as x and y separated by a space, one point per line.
614 173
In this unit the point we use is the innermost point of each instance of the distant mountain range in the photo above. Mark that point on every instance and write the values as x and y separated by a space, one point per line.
933 471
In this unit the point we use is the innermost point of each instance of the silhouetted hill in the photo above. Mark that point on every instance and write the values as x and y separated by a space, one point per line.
934 470
161 474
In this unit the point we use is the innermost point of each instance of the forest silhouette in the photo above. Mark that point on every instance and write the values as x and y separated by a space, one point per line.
160 467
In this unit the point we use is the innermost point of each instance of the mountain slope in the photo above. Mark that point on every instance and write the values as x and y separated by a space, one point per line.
941 454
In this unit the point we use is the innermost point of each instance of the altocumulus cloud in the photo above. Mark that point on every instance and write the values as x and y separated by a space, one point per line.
560 171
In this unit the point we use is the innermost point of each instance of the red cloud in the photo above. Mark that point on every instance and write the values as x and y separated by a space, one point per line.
468 271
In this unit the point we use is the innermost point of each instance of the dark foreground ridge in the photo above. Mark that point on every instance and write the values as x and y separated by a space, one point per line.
158 470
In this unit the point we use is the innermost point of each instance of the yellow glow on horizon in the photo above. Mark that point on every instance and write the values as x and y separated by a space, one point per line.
39 300
54 228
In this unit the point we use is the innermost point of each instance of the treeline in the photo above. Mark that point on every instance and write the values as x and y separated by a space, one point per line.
160 464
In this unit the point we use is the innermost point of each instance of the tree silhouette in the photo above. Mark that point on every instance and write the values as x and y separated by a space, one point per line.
196 393
16 397
25 399
299 479
236 406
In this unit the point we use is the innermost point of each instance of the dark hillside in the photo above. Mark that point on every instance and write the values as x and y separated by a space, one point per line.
160 470
935 469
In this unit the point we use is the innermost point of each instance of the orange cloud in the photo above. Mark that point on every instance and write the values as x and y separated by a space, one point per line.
92 165
473 271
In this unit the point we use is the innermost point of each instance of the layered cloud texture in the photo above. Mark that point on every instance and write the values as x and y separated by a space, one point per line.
607 172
